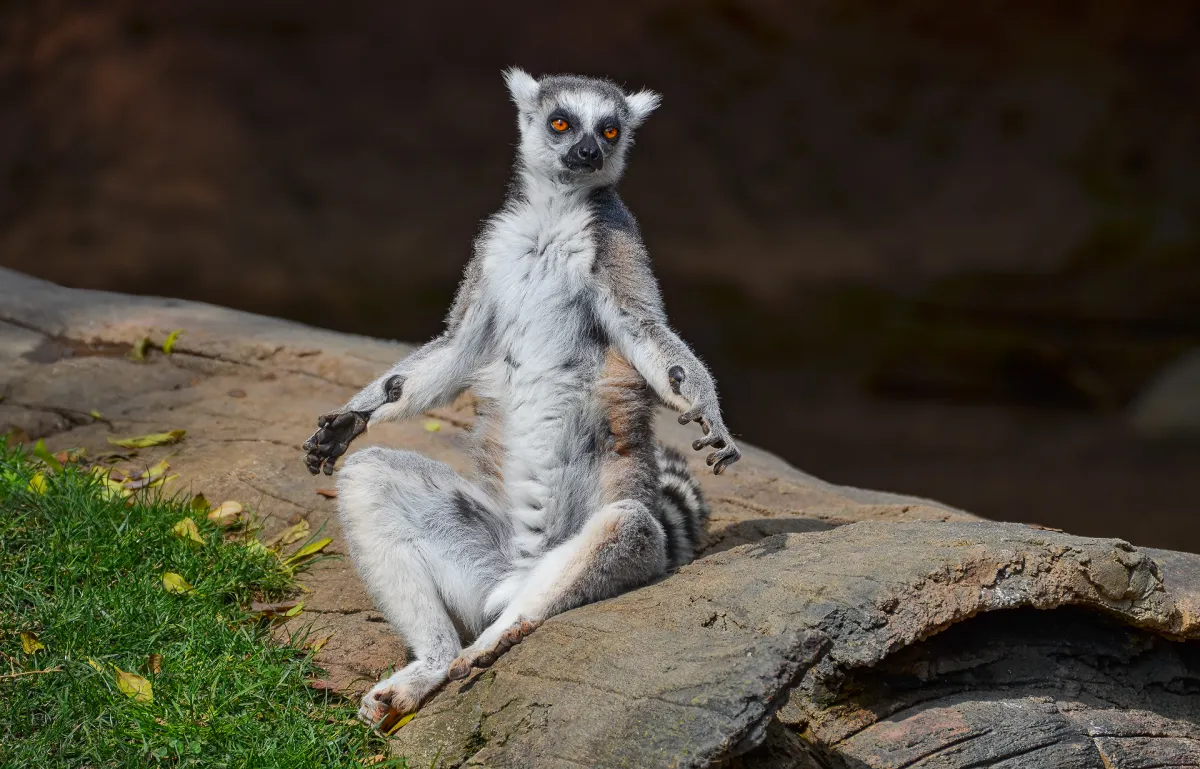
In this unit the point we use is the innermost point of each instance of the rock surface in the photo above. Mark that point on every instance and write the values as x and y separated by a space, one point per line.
827 626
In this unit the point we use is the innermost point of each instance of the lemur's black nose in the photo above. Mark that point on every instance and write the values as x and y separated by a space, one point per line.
587 151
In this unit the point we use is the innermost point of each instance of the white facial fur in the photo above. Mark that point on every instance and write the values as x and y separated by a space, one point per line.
588 105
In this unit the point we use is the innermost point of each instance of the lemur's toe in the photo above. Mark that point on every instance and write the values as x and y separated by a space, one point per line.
459 669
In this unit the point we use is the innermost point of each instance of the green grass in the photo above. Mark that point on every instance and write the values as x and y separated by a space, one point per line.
84 574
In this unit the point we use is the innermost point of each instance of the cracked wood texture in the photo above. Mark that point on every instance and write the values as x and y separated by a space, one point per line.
827 626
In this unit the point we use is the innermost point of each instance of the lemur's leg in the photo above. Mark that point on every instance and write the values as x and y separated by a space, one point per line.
430 547
618 549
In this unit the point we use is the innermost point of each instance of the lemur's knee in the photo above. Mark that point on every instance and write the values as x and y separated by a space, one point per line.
626 546
378 483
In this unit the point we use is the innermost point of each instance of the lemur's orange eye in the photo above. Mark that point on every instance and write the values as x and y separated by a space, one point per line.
560 125
611 132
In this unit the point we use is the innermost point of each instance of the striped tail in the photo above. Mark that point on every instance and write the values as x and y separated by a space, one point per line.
681 508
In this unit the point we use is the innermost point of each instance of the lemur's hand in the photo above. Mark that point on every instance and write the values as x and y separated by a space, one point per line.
715 435
332 438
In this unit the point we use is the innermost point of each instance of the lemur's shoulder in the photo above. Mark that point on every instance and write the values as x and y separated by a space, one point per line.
622 263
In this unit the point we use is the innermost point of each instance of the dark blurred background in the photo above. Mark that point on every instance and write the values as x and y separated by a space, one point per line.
937 247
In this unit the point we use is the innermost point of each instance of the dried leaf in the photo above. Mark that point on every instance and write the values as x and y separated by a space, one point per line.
172 338
280 609
30 642
146 441
290 534
186 529
138 351
154 663
147 477
41 452
227 513
312 548
322 684
17 437
71 455
37 484
328 493
174 583
95 414
134 686
432 426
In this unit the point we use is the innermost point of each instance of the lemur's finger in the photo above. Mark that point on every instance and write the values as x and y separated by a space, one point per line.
328 467
709 440
313 463
691 415
728 457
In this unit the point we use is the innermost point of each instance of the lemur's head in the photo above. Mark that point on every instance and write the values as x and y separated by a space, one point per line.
576 129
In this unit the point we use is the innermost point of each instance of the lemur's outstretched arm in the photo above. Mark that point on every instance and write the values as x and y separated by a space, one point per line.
430 376
631 311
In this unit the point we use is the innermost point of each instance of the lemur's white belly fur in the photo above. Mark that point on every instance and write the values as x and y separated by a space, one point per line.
537 262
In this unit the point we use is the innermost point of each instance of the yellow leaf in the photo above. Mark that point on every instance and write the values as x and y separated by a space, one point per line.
199 504
37 484
432 426
145 441
95 414
401 723
138 351
290 534
159 482
41 452
174 583
317 646
154 663
226 514
30 642
186 529
292 612
254 546
95 665
312 548
134 686
171 339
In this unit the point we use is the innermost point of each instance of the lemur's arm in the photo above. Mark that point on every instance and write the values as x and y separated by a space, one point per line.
631 312
430 376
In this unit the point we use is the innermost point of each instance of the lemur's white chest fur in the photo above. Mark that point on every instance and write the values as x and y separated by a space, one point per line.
537 260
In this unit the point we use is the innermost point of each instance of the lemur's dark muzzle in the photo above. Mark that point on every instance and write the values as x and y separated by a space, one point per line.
586 153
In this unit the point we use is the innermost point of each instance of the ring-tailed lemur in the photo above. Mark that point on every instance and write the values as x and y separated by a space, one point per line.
559 331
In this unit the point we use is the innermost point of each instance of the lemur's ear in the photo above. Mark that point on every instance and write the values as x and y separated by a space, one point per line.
641 104
522 87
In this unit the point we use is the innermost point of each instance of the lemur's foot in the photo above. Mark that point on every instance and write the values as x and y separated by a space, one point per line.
387 702
482 655
333 436
715 435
